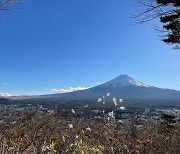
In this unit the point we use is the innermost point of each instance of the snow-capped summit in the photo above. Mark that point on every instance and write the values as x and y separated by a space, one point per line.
123 81
122 86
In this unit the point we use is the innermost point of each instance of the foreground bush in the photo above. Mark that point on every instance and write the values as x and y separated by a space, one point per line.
79 133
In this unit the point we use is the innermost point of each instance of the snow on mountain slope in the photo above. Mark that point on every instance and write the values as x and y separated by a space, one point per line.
123 81
122 86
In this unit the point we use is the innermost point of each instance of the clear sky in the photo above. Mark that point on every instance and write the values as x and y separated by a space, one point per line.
58 44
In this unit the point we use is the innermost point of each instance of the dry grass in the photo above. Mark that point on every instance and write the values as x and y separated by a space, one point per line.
41 133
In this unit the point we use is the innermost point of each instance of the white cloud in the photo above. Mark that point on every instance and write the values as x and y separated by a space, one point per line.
5 84
70 89
99 83
5 94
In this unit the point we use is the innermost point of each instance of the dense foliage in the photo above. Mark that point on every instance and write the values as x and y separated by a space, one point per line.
168 11
171 21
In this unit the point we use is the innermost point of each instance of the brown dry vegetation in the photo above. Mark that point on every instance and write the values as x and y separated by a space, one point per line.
41 133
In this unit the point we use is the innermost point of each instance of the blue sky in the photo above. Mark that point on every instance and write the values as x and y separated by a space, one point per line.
79 43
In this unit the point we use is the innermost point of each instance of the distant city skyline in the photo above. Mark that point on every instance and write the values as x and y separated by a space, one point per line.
62 46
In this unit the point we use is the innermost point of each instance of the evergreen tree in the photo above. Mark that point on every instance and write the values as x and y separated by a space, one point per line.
168 11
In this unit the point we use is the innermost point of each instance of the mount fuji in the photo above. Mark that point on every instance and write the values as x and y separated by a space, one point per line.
122 86
123 81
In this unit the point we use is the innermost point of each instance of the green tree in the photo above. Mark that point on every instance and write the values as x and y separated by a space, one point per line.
168 123
168 12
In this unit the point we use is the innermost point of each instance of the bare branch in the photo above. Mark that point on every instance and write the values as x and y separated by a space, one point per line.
167 12
7 5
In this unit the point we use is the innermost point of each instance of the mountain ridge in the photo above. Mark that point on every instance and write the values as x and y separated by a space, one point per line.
123 86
